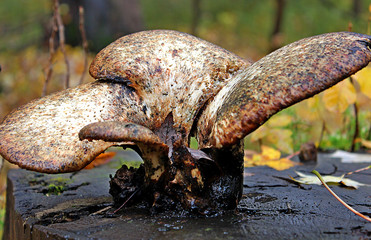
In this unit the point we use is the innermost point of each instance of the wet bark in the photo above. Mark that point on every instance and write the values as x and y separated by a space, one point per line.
271 207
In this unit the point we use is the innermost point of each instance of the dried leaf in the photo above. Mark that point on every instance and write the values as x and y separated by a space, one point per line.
366 143
363 78
279 137
340 96
103 158
269 157
282 140
166 132
309 110
331 180
280 121
270 153
348 157
259 133
281 164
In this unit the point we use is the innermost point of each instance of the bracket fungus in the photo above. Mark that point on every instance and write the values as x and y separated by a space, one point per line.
156 89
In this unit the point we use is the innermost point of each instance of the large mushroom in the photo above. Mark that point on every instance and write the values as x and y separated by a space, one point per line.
156 89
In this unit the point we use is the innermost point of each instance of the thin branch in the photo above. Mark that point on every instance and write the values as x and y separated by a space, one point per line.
62 42
84 42
323 129
100 211
359 170
356 123
127 200
293 155
339 199
49 70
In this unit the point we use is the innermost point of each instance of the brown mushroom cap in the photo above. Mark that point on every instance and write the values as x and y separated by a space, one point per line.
172 72
43 134
148 76
144 77
279 80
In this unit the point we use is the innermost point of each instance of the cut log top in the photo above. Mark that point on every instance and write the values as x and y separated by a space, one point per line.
270 207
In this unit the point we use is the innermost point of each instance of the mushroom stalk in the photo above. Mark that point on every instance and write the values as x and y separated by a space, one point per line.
155 90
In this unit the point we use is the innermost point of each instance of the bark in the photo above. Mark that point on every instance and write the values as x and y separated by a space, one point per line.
276 36
196 15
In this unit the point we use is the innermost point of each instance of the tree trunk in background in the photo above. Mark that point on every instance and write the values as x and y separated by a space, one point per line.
196 14
105 21
276 36
357 8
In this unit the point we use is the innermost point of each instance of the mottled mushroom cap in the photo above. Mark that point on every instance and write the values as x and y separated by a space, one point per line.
142 78
279 80
170 71
43 134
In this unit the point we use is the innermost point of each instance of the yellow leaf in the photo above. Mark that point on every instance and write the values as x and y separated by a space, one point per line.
339 97
281 138
366 143
280 121
308 110
281 164
270 153
313 102
259 133
269 157
363 78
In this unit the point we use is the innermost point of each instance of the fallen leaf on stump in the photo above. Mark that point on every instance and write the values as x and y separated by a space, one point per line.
102 158
268 157
330 180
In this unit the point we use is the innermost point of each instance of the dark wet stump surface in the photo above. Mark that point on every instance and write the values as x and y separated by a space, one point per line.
271 208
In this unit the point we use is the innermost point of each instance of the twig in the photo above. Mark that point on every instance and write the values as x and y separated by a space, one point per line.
339 199
359 170
62 41
323 129
293 155
49 71
356 123
100 211
84 42
127 200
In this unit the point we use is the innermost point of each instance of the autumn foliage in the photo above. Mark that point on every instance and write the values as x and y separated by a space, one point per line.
327 119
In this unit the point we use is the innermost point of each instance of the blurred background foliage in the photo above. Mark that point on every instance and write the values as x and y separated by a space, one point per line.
336 119
246 27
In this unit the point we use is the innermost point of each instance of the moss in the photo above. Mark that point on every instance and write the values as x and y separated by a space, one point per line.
54 189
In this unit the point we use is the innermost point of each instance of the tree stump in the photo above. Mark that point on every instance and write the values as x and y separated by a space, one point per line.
74 206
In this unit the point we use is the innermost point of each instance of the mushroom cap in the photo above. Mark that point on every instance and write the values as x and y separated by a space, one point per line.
43 134
142 78
279 80
172 72
145 77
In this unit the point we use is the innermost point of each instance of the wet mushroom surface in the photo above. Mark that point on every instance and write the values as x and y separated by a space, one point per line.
154 90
